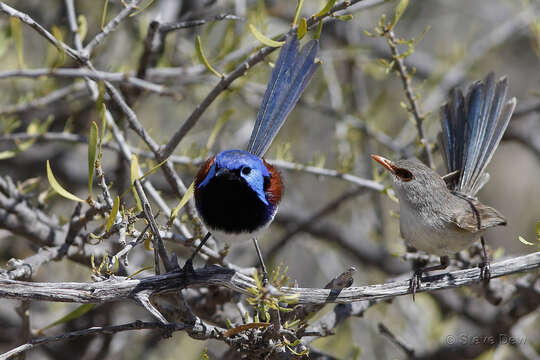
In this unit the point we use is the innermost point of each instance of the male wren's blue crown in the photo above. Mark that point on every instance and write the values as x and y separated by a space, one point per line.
440 215
237 192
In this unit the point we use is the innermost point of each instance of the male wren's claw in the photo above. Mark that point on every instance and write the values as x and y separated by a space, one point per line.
485 271
188 267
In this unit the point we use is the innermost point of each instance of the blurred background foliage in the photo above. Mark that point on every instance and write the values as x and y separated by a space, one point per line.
353 100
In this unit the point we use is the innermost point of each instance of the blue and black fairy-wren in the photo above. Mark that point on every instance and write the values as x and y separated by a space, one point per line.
237 192
441 215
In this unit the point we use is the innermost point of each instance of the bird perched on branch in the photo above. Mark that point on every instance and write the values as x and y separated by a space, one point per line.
237 192
441 215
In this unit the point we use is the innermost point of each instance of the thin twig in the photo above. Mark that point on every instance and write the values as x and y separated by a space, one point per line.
414 108
110 27
121 78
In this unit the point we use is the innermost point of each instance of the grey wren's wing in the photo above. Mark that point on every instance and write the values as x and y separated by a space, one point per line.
476 216
472 127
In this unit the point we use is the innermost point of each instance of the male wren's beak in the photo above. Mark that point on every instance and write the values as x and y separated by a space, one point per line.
388 165
225 173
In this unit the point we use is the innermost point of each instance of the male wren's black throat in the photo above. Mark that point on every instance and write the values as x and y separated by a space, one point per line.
229 204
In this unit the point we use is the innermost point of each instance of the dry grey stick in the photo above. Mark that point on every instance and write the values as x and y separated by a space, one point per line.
97 330
122 78
186 160
110 27
115 289
72 92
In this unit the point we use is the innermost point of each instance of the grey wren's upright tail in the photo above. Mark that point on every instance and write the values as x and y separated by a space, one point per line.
441 215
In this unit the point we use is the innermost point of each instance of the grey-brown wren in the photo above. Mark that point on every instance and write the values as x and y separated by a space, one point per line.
441 215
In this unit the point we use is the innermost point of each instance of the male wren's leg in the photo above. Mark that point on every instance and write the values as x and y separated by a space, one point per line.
416 279
485 269
188 266
261 261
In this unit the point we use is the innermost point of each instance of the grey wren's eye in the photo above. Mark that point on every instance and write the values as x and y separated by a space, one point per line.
404 174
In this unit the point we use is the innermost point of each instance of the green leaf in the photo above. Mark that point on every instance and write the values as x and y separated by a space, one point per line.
345 17
265 40
203 59
104 14
58 188
83 27
329 5
520 238
318 30
187 195
153 169
7 154
400 9
59 36
112 215
139 271
75 314
135 176
219 125
302 28
92 152
134 168
16 33
538 228
297 11
142 9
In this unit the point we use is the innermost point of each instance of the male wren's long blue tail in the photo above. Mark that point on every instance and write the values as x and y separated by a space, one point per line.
236 192
292 72
472 127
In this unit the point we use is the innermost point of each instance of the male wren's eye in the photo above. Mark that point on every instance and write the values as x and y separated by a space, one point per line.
246 170
404 174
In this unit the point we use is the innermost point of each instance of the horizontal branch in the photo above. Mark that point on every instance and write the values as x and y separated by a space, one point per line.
115 288
122 78
186 160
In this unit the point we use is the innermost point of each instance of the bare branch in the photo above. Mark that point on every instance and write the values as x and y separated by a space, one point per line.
115 289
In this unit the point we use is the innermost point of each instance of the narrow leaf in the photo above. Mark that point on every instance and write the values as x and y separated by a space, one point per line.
142 9
520 238
135 176
538 228
75 314
297 11
92 151
59 36
400 9
134 168
153 169
112 215
58 188
139 271
302 28
265 40
203 59
329 5
83 27
187 195
16 33
104 14
7 154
